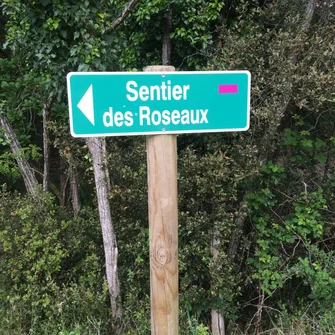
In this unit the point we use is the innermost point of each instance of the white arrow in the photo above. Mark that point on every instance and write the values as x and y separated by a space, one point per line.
86 105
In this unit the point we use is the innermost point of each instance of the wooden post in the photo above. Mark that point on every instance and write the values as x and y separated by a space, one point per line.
163 227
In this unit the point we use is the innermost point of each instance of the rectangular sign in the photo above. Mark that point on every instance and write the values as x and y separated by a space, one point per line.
148 103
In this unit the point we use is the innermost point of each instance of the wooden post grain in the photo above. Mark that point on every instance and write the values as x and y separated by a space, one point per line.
163 227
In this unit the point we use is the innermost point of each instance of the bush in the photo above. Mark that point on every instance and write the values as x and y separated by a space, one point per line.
52 268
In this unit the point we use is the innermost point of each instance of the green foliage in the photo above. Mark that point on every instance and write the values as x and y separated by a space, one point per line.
59 35
317 274
48 279
278 240
195 328
8 166
75 332
207 212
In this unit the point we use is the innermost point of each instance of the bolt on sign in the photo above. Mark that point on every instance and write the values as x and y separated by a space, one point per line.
149 103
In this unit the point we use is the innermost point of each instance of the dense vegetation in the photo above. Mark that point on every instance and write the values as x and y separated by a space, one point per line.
256 209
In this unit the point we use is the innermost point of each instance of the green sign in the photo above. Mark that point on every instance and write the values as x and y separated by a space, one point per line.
147 103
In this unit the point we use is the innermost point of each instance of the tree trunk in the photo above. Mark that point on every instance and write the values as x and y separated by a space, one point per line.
127 9
166 46
287 91
218 323
74 186
97 147
235 238
27 173
46 144
63 180
310 9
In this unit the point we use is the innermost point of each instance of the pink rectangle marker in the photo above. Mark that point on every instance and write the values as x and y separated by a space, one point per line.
227 89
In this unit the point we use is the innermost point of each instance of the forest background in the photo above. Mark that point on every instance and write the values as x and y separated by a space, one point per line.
256 209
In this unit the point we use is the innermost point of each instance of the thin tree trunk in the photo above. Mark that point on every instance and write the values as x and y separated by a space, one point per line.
64 178
129 6
166 46
46 144
97 147
74 186
27 173
218 323
235 238
310 9
287 91
52 186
